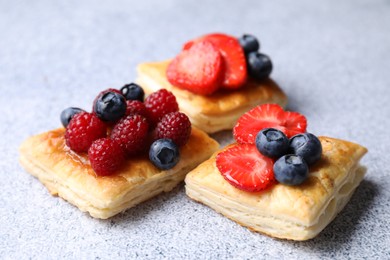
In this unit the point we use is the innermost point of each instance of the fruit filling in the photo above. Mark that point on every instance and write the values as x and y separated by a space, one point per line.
123 125
272 147
217 60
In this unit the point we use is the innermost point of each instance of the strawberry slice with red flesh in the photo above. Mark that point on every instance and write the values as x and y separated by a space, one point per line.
244 167
268 116
233 56
197 69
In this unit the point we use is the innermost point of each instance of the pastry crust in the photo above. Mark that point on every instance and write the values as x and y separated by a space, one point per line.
288 212
216 112
71 177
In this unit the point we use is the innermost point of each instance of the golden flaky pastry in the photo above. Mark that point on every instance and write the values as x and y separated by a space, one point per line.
288 212
216 112
71 177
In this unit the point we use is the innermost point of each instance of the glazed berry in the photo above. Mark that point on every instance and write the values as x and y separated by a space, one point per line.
268 116
110 106
164 154
175 126
68 113
106 156
272 143
259 65
131 133
308 146
136 107
133 91
83 129
249 43
291 169
244 167
159 104
187 70
233 57
104 92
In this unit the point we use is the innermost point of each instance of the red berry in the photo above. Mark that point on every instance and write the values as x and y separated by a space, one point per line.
159 104
106 156
233 57
83 129
268 116
198 69
175 126
131 133
246 168
136 107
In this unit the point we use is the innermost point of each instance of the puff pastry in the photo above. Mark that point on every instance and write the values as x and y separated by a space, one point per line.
288 212
219 111
71 177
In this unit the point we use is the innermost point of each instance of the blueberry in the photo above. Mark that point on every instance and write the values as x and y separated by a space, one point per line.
164 154
291 170
306 145
249 43
68 113
272 142
110 106
133 91
259 65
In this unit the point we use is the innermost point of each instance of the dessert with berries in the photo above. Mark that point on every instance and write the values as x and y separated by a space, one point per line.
125 151
277 178
215 78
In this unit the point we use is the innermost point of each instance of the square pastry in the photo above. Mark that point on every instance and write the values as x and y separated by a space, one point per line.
215 112
288 212
70 175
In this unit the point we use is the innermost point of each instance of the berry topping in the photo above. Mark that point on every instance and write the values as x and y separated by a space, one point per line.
175 126
291 170
106 156
197 69
249 43
308 146
246 168
83 129
233 58
259 65
159 104
131 133
272 142
68 113
136 107
164 154
133 91
268 116
104 92
110 106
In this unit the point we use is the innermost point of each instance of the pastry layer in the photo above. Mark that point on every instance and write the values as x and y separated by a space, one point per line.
289 212
216 112
71 177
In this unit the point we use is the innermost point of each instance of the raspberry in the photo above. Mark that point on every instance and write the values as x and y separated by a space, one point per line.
159 104
83 129
136 107
106 156
131 133
175 126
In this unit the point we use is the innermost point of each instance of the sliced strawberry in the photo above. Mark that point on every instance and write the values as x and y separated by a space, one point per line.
246 168
197 69
268 116
233 56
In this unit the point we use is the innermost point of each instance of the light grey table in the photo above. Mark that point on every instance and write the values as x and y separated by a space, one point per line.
331 57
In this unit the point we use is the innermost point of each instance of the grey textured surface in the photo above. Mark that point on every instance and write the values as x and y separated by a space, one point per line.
331 57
